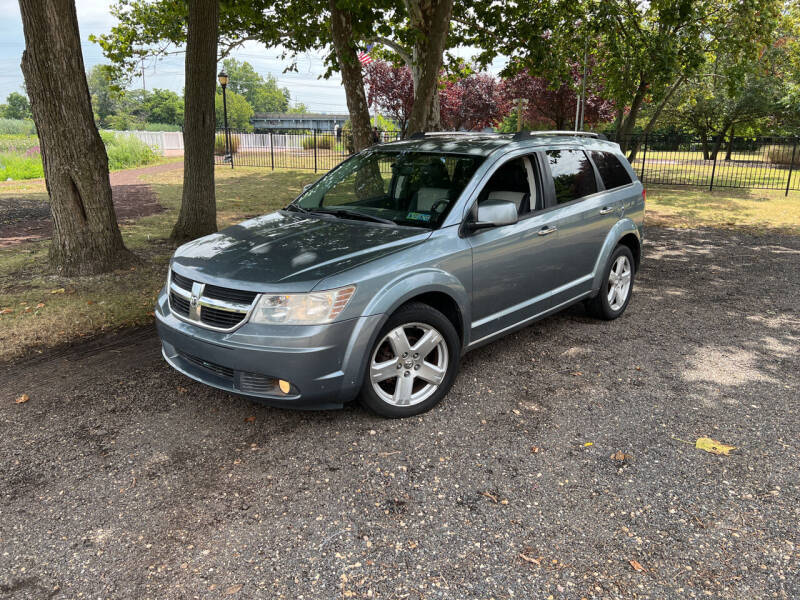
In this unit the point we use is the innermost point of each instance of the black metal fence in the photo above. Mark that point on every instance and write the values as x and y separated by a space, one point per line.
299 149
771 163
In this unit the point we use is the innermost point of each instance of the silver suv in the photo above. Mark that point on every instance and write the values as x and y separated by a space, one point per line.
382 274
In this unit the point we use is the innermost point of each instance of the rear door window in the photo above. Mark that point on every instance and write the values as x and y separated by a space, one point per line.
612 171
573 174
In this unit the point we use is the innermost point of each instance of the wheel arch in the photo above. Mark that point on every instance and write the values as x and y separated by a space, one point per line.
624 232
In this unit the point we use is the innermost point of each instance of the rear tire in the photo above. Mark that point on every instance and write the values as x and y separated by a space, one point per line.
412 364
617 286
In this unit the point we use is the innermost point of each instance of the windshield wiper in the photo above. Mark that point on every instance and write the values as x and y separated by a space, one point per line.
343 213
296 207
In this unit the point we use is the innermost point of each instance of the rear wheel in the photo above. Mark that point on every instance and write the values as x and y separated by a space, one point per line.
615 291
413 363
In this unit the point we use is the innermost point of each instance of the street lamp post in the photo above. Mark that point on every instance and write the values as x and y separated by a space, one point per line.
223 81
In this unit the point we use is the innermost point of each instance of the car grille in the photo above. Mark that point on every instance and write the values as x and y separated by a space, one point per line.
207 305
254 383
209 366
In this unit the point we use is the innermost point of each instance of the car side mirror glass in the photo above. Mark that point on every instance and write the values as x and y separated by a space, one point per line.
495 213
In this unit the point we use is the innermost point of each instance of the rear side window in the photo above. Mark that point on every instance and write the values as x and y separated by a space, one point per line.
573 175
612 172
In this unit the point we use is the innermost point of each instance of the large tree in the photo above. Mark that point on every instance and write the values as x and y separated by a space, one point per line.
86 237
198 215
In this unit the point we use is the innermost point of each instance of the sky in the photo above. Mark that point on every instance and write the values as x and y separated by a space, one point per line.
319 95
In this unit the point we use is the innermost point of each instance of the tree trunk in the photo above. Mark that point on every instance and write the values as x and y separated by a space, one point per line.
704 144
629 122
729 150
352 78
86 237
198 216
430 19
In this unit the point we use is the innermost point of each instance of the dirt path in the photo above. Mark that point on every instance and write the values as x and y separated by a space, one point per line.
27 219
121 478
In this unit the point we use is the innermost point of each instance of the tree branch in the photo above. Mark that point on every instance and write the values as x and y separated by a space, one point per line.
399 49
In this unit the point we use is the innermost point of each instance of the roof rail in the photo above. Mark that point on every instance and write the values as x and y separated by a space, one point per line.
524 135
423 134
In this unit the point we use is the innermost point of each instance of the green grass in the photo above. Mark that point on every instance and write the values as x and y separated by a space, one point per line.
19 166
85 306
758 211
89 305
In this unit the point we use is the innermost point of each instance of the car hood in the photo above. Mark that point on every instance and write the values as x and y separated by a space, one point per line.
290 249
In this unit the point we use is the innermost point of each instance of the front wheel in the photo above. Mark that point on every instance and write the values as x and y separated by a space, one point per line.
413 363
615 291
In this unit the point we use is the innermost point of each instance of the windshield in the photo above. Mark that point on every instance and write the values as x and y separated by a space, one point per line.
406 188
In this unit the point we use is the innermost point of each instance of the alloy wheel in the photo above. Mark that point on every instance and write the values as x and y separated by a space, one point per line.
409 364
619 283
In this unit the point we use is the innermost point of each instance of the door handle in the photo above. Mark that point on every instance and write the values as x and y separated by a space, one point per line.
547 230
607 209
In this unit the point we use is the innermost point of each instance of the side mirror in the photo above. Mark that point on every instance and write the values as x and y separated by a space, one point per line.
495 213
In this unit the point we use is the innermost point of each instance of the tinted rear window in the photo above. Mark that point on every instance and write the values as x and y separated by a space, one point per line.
612 172
573 174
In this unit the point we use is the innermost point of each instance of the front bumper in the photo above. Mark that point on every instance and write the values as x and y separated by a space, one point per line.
324 363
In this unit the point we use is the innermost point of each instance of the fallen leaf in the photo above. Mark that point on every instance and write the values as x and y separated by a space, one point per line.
577 374
251 419
620 456
40 305
234 589
6 311
58 291
528 559
637 566
22 399
491 496
535 449
713 446
89 302
182 390
587 444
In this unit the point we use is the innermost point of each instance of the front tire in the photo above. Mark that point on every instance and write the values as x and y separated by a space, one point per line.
617 287
412 364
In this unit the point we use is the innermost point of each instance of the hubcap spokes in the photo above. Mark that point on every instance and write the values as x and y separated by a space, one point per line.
619 283
409 364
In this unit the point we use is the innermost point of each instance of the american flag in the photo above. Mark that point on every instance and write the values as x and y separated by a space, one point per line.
364 58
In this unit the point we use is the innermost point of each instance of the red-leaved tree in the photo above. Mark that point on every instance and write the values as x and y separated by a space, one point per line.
555 107
472 103
391 90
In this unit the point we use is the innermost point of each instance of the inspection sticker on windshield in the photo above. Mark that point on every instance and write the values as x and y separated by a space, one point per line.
415 216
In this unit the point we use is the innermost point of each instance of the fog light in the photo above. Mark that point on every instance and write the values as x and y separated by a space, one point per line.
284 386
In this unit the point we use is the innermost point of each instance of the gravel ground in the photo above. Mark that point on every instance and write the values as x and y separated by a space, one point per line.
120 478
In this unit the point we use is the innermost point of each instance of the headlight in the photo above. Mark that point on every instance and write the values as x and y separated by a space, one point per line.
314 308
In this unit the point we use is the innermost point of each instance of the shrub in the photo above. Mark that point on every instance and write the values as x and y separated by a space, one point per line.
219 144
324 142
17 127
17 143
17 166
126 151
781 155
160 127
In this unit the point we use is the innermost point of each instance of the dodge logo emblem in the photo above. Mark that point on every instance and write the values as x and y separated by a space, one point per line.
193 301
